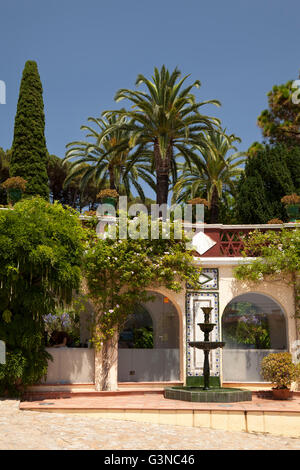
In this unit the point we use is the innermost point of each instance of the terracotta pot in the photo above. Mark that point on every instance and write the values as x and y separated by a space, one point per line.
14 195
281 393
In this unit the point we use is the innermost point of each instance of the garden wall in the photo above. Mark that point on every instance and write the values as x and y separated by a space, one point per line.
71 365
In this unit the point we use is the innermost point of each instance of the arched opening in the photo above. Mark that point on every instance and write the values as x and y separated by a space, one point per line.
253 325
149 343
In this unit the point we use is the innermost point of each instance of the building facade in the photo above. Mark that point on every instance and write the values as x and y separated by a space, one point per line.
253 319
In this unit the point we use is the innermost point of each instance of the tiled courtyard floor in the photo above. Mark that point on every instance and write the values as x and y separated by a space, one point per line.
36 430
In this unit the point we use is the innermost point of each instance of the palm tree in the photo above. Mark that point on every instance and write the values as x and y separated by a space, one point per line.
107 157
211 171
164 119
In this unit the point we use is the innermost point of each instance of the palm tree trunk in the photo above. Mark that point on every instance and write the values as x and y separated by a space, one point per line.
112 184
163 166
214 206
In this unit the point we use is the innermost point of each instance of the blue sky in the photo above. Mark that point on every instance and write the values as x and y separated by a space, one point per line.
87 50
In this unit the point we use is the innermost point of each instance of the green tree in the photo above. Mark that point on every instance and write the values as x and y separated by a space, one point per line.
72 194
212 173
280 123
165 118
270 173
41 249
118 273
29 152
106 159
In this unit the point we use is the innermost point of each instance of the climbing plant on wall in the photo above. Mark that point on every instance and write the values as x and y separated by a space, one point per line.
276 254
118 273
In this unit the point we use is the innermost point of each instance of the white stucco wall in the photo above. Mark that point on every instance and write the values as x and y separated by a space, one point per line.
280 291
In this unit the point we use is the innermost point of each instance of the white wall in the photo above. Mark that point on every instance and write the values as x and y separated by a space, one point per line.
71 366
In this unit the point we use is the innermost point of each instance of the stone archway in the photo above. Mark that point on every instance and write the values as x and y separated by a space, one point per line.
253 325
149 346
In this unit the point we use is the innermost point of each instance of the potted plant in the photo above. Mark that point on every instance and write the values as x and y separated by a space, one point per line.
199 200
108 196
15 187
292 204
275 221
279 369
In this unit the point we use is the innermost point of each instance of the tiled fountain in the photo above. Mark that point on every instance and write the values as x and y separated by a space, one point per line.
207 393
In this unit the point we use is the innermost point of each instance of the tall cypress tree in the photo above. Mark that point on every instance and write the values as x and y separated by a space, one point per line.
29 151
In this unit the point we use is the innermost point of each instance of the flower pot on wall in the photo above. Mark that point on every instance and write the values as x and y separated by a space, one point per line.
281 393
293 212
14 195
111 201
15 188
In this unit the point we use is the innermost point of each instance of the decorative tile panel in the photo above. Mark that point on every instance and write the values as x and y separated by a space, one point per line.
208 279
194 315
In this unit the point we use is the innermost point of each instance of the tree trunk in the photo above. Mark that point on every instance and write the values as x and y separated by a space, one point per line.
214 207
163 167
106 366
112 184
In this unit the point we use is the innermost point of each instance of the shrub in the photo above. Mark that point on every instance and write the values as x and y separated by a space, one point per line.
41 249
107 193
290 199
275 221
279 369
199 200
16 182
90 213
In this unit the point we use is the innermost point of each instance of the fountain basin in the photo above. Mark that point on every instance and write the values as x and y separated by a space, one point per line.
206 345
213 395
206 327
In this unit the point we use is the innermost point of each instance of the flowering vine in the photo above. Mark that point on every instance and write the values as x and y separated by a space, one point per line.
118 273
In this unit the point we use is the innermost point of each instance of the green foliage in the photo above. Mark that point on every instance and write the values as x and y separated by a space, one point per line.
249 327
29 152
72 194
143 337
164 119
26 356
249 333
270 174
279 369
277 254
41 249
106 159
280 123
212 172
118 273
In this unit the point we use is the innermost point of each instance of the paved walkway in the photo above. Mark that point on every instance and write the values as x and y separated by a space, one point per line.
35 430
